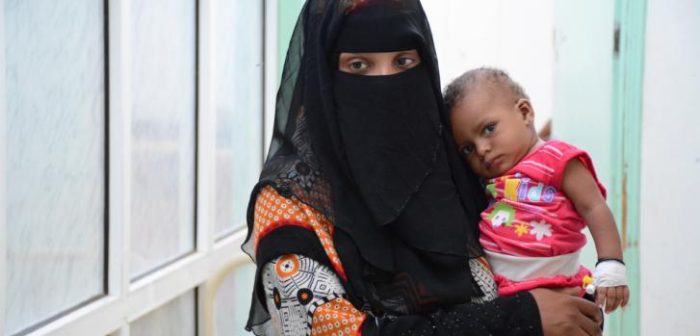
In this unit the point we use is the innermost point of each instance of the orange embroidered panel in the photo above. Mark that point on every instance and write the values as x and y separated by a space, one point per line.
335 318
273 211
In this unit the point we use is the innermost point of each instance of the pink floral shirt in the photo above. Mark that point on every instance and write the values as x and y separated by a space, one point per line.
529 215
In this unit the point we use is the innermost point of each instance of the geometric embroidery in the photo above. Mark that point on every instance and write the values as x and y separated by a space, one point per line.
481 272
287 266
306 298
311 301
294 298
273 211
336 318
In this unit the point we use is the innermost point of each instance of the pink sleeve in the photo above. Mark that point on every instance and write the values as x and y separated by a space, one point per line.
569 152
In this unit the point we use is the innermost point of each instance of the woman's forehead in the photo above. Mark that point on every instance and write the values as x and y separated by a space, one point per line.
378 53
379 28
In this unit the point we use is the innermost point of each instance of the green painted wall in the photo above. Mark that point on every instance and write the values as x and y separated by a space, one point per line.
599 52
287 14
628 72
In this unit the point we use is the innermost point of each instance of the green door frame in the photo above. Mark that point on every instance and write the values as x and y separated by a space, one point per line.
628 79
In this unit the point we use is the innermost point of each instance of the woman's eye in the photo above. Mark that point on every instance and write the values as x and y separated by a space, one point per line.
405 61
489 129
466 150
358 65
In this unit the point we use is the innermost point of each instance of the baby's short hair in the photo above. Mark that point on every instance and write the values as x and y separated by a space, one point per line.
468 81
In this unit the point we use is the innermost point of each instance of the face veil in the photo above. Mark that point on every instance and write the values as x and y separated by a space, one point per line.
375 156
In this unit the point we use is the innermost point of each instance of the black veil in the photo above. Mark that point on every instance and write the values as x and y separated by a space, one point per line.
410 255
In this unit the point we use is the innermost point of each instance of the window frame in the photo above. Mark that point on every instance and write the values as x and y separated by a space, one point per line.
3 173
127 300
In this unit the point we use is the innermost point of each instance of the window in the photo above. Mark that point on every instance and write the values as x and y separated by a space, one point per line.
162 131
232 300
56 158
237 96
132 139
175 318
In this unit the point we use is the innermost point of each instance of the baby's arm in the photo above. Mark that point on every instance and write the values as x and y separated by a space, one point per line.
582 189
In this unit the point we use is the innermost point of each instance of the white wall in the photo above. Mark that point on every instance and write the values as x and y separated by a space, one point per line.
583 85
515 35
519 36
669 236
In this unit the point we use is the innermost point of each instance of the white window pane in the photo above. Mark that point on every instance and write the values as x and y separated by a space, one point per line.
232 301
238 76
175 318
55 54
163 138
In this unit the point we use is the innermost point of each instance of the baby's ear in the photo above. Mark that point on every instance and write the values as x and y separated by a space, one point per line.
525 108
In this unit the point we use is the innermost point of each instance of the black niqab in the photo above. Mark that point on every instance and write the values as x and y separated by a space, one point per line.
374 155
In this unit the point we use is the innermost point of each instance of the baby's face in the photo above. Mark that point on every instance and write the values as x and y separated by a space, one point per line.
493 133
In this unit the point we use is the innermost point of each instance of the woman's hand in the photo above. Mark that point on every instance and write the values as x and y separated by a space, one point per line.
566 314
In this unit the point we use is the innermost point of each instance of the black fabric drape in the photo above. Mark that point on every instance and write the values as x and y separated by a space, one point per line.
375 156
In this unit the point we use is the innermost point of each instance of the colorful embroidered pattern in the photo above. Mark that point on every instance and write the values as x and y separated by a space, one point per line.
337 318
287 266
307 298
273 211
481 272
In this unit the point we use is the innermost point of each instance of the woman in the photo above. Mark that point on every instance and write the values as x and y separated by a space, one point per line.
365 217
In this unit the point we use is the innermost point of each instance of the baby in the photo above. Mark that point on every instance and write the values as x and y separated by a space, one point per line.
542 194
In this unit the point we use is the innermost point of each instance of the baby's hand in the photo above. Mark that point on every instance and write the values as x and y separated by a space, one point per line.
610 282
612 297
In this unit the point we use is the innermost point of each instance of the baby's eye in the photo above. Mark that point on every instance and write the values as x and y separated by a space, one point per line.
466 150
489 129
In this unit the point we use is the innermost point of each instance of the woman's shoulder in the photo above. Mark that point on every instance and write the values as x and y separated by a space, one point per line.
272 211
292 225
